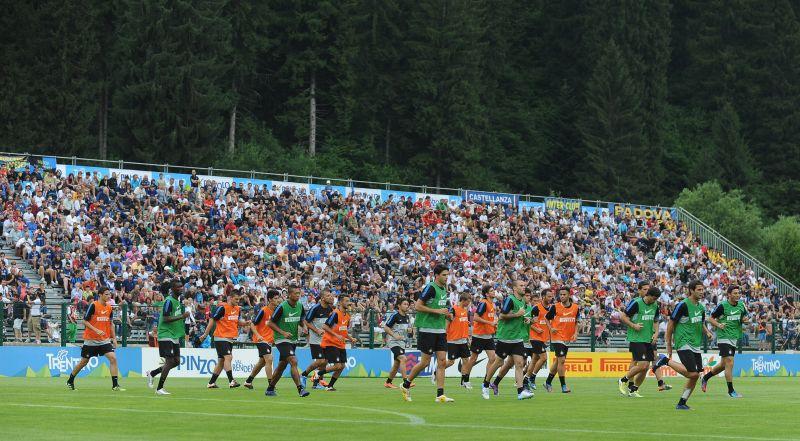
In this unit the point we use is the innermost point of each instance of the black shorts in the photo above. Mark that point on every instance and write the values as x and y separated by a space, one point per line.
528 350
560 349
428 342
263 349
726 350
316 352
223 348
397 351
457 350
482 344
335 355
692 361
538 347
505 349
641 351
96 351
286 350
168 349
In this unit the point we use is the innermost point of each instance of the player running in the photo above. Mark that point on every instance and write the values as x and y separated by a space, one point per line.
643 286
686 326
484 325
431 325
98 339
641 317
563 318
264 337
539 335
285 322
728 318
227 320
511 331
170 330
314 319
458 337
335 338
396 331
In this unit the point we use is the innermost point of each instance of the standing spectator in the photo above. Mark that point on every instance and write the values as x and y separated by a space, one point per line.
35 317
19 314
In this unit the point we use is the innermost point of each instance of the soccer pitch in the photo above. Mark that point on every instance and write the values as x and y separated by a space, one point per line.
43 408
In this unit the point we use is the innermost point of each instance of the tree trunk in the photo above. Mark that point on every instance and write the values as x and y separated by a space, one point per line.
232 132
312 118
386 143
102 123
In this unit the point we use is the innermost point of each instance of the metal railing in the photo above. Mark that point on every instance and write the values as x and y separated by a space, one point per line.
720 243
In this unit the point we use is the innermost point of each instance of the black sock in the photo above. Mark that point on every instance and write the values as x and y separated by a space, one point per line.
114 381
321 372
230 375
333 381
464 378
270 387
305 373
550 378
660 383
562 380
681 402
524 381
161 380
249 379
388 380
155 372
439 392
406 383
730 387
71 378
299 387
632 387
485 383
497 381
213 378
519 390
624 379
532 378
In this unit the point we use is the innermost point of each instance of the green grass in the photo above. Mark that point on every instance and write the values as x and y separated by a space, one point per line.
42 408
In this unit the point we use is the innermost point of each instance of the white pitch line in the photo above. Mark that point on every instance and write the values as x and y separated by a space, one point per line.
397 423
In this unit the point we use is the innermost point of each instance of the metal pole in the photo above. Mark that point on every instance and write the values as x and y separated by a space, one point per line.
63 324
774 334
2 323
591 336
371 329
124 319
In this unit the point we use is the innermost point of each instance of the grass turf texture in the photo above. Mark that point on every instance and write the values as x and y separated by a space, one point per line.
43 408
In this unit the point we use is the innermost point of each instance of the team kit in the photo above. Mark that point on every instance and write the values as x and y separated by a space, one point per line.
515 333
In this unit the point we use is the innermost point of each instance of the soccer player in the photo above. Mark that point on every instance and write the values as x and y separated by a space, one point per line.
227 320
98 339
686 326
563 318
539 335
431 325
484 325
396 331
170 330
285 322
643 287
728 318
458 337
335 338
511 331
264 337
314 319
640 316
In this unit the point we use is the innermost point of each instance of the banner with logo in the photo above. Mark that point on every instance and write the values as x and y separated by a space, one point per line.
562 204
616 364
54 361
766 365
486 197
642 211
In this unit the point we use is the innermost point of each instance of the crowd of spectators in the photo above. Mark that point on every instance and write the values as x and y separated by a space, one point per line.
131 233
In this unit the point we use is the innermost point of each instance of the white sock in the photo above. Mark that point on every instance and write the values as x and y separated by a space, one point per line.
686 393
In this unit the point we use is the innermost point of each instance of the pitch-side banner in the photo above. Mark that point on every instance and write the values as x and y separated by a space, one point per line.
485 197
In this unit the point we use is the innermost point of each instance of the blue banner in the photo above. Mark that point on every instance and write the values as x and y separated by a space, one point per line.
766 365
485 197
54 361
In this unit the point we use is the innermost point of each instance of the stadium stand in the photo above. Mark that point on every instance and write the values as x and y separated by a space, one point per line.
76 232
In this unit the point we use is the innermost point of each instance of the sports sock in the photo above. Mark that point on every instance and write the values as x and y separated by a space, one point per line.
519 390
321 372
333 381
464 378
406 384
707 376
730 387
624 379
660 383
213 378
485 383
161 382
439 392
249 379
632 387
71 379
532 378
270 387
114 381
388 380
550 378
497 381
685 396
299 387
155 372
562 380
230 375
525 381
